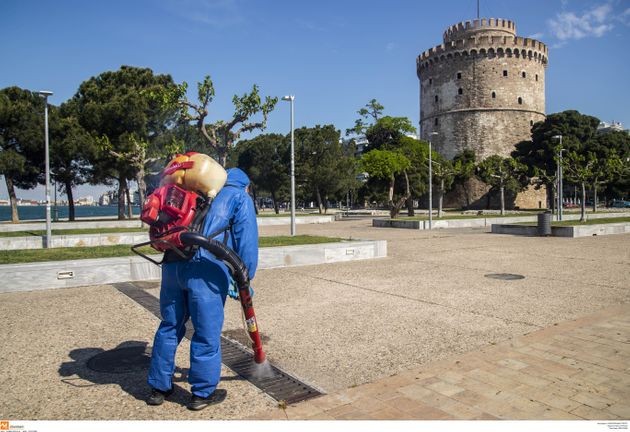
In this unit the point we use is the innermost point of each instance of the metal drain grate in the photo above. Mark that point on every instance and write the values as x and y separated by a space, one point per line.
504 276
275 382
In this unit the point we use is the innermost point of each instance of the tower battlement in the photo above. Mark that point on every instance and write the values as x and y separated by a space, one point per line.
485 45
466 29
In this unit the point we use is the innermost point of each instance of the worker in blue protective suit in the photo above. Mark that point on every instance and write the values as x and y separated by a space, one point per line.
197 289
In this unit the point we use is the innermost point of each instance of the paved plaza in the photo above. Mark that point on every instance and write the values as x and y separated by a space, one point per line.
422 334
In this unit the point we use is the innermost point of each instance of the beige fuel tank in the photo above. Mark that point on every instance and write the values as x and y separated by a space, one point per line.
195 172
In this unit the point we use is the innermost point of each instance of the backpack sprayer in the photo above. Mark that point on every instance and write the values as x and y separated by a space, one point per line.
175 212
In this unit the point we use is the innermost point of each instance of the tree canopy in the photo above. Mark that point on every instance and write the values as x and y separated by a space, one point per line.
21 141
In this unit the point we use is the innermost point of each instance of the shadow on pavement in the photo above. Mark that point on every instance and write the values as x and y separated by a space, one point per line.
126 366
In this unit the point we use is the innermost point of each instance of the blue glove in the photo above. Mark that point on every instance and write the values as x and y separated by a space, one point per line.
233 291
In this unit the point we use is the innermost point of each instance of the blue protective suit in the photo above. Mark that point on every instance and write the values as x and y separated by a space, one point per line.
197 289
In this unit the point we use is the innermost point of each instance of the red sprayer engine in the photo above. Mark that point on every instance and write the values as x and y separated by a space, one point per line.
168 211
175 213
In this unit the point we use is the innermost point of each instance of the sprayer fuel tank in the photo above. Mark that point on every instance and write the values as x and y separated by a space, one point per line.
195 172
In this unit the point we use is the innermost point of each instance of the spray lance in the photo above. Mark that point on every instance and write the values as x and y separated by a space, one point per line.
175 214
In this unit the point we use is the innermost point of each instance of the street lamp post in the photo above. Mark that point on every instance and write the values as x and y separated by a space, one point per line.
45 94
559 137
291 99
431 135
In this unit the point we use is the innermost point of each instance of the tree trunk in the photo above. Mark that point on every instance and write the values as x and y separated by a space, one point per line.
15 218
253 189
583 205
142 186
68 186
122 185
326 204
440 198
275 202
320 204
410 209
595 196
502 200
552 197
129 206
395 208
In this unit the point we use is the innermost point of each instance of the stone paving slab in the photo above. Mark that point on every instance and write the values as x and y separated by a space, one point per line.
47 338
576 370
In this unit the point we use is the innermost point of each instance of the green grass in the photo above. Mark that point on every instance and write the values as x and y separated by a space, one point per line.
72 231
587 222
76 253
288 214
592 221
296 240
447 216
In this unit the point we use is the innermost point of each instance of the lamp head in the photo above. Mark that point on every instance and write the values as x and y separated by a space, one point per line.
288 98
557 137
434 134
44 93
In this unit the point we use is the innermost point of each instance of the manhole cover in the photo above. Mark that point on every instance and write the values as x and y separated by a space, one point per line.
505 276
121 360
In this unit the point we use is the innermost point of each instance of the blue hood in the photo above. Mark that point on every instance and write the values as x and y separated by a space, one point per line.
237 178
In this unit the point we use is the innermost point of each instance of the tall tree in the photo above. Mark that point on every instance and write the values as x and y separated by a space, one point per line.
386 165
464 166
21 141
71 150
324 170
578 168
610 150
220 135
540 154
117 108
501 174
266 160
372 111
443 177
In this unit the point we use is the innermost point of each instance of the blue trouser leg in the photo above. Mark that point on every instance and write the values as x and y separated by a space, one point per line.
174 310
207 284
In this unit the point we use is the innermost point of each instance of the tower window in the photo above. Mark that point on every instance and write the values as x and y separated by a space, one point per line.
459 75
436 98
531 122
436 121
504 72
460 91
494 95
430 80
520 101
536 77
524 74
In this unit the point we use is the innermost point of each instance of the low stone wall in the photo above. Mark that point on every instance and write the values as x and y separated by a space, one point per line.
476 222
37 226
65 274
564 231
135 223
82 240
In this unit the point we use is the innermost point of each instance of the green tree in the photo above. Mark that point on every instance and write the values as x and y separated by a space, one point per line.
266 161
610 150
371 111
71 150
540 154
387 132
386 165
116 108
443 177
220 135
501 174
323 169
464 167
21 141
579 168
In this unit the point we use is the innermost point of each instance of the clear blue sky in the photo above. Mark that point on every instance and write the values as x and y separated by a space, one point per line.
333 55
